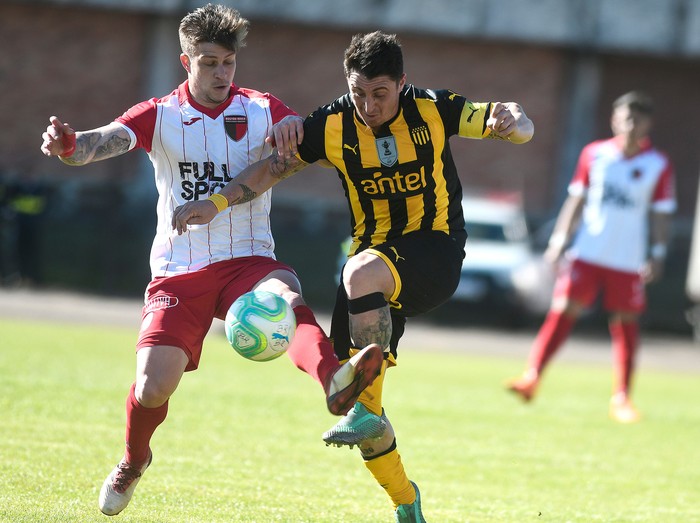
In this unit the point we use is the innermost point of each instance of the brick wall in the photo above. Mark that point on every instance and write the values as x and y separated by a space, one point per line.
87 66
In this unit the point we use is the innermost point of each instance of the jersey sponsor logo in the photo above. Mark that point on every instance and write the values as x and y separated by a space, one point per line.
236 126
201 179
385 185
617 197
398 257
353 148
420 135
386 149
473 112
158 303
193 120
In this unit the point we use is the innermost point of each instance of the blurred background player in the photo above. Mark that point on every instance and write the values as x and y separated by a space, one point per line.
196 137
619 207
389 143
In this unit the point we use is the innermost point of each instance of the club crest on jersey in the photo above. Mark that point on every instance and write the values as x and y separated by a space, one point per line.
236 126
420 135
386 149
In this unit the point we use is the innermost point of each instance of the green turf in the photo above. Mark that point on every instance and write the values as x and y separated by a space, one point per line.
242 440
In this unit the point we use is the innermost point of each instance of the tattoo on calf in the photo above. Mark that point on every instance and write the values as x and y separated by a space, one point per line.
379 331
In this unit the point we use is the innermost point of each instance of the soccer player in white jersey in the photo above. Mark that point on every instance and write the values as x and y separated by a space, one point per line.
616 220
197 137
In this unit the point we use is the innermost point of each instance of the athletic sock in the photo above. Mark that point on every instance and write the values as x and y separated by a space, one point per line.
371 396
388 471
625 339
552 334
141 423
311 350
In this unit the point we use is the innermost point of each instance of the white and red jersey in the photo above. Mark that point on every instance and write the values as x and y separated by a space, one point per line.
195 151
620 192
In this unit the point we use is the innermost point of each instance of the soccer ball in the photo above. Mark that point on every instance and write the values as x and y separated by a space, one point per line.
260 325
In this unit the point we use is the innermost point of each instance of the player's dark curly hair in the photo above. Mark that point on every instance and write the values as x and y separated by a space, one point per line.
216 24
374 54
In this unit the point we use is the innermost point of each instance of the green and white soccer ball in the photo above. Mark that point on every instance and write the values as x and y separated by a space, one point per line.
260 325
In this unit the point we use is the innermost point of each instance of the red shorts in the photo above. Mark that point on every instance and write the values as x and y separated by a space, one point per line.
584 282
179 310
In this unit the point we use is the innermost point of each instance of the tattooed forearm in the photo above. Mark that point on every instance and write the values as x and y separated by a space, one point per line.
371 327
84 147
282 168
248 195
92 146
494 136
114 146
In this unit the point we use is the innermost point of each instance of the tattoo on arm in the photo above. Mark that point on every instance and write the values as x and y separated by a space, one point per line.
282 168
92 146
248 195
114 146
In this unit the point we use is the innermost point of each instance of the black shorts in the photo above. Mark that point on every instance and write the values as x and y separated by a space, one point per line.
426 266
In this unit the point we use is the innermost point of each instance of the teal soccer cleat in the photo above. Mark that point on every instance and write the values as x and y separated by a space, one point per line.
356 426
410 513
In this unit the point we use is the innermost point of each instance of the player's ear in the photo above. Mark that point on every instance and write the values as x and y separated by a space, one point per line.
402 81
185 61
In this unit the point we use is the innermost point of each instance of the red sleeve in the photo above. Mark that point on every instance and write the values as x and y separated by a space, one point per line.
141 119
581 180
665 188
278 109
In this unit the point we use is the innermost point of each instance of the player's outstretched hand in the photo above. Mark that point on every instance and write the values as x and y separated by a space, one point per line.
59 139
193 213
286 134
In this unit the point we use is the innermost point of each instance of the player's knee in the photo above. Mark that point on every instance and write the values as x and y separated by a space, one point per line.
567 307
153 393
356 272
367 273
284 284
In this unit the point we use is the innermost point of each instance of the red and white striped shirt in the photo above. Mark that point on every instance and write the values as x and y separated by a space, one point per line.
620 192
195 151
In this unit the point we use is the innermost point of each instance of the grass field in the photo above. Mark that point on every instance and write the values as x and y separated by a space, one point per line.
242 440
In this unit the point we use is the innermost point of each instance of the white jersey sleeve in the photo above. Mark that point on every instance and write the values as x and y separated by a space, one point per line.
195 151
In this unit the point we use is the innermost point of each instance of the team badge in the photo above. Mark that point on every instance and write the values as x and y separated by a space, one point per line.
420 135
386 149
236 126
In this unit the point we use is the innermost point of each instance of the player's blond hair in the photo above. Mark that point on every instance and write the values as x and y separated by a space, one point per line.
216 24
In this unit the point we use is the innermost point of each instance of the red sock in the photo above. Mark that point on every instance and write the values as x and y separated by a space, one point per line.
310 350
625 338
552 334
141 423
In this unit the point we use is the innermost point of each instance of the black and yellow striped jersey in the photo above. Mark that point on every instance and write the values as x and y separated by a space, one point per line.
404 178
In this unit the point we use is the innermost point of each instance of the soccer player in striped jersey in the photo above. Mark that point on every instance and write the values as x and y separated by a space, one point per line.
617 218
388 141
207 129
